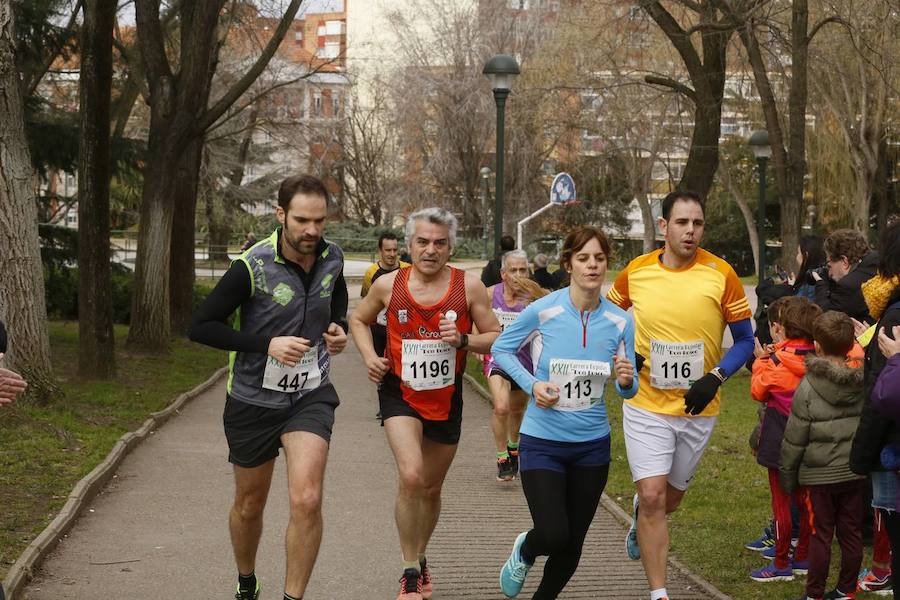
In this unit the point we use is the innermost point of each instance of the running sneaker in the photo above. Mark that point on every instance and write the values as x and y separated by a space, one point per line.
837 594
769 553
771 573
800 567
514 459
245 594
505 470
631 540
410 585
427 587
869 582
766 540
514 571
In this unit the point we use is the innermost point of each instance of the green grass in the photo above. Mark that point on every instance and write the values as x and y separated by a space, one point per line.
45 450
727 504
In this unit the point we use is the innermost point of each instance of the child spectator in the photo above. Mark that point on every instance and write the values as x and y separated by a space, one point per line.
776 376
815 454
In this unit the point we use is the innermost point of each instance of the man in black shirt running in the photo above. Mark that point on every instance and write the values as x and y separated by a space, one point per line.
290 303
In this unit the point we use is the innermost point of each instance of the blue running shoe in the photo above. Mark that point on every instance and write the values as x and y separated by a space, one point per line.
771 573
799 567
766 540
631 540
514 571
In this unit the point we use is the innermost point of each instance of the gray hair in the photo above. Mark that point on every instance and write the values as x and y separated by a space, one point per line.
514 254
436 216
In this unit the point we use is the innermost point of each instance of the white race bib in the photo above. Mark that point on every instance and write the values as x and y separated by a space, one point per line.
675 365
428 364
580 382
304 376
505 317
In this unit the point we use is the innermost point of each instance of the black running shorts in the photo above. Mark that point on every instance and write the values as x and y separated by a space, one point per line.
513 386
392 404
254 432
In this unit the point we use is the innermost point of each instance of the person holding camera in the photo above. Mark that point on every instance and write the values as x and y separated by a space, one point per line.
850 263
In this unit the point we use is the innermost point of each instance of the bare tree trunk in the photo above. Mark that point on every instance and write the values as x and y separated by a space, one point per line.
96 343
746 212
648 221
181 265
22 305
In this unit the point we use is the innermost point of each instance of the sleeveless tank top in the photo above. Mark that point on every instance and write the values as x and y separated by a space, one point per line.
428 369
506 314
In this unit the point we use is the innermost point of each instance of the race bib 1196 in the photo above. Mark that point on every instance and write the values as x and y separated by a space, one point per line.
428 364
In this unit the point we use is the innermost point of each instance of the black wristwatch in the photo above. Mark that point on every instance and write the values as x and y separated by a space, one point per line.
463 341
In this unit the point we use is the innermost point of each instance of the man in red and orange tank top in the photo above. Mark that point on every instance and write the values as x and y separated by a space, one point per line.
431 308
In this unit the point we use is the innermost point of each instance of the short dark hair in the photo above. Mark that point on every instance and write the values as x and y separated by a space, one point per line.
300 184
889 250
577 239
846 242
507 243
673 197
773 312
797 317
387 235
833 331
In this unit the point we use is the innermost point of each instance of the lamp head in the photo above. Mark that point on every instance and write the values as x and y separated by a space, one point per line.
759 143
501 70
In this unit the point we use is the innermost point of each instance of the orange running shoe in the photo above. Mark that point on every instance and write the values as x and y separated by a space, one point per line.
410 585
427 588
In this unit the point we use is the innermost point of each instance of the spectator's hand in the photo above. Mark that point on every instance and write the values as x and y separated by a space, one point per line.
701 394
638 362
449 332
624 372
11 385
288 349
859 328
545 393
889 347
815 275
791 278
377 368
758 350
335 339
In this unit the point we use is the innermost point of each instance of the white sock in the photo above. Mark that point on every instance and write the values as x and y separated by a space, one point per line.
659 593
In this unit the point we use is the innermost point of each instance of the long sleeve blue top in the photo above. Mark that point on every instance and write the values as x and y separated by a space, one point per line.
553 328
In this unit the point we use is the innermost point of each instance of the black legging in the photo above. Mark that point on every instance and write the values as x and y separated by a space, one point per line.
892 525
562 506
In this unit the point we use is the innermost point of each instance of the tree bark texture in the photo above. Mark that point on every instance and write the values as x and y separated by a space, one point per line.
746 212
96 343
22 303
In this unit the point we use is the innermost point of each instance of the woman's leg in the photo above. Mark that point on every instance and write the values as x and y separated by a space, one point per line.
584 487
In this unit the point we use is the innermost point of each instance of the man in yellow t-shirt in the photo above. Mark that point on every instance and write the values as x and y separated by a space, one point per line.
683 297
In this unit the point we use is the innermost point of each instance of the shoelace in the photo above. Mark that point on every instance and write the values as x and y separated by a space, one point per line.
519 570
426 575
410 584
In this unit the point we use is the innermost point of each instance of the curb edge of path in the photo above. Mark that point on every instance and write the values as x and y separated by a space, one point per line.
620 515
90 486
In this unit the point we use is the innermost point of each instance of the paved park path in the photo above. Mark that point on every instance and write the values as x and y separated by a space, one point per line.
159 530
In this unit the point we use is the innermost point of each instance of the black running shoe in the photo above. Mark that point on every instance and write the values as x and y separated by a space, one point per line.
505 470
514 459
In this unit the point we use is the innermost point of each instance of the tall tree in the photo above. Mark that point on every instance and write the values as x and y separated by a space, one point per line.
710 20
22 305
179 118
96 343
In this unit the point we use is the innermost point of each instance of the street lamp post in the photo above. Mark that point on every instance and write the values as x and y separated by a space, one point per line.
485 181
500 70
759 143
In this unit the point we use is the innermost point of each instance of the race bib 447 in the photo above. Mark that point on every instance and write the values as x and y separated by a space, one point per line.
305 375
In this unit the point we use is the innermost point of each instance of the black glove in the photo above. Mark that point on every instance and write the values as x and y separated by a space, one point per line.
701 394
638 362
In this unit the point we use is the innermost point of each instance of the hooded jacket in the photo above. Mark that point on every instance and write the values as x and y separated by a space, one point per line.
775 379
819 433
874 430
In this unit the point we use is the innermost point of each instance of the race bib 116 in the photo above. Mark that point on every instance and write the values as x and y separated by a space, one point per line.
675 365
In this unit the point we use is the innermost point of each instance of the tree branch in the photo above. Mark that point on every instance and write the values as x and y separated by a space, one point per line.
677 36
243 84
672 84
151 41
36 77
822 23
